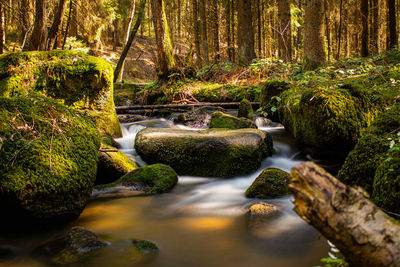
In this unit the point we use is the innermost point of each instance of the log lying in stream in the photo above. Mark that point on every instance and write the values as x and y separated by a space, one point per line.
185 106
365 235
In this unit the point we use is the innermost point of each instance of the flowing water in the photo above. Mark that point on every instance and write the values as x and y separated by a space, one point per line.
202 222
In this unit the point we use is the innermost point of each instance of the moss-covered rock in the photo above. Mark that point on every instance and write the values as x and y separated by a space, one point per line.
327 121
152 179
48 160
246 110
113 164
145 247
270 183
199 118
73 247
371 150
225 121
220 153
81 81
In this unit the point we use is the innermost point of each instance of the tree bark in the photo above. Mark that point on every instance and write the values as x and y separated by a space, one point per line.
166 60
314 50
24 17
285 38
128 44
228 28
375 26
203 15
393 37
196 31
245 33
364 234
215 23
37 40
57 23
364 30
2 32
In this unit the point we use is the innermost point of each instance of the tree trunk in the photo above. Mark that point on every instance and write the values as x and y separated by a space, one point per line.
228 28
166 60
340 29
258 3
375 26
233 30
196 31
364 30
131 36
285 44
115 34
68 24
393 39
364 234
37 40
74 20
203 15
57 23
314 50
215 23
2 18
245 33
24 18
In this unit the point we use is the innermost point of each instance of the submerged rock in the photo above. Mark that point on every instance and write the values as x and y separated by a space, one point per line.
145 247
270 183
76 245
225 121
81 81
245 110
48 160
113 164
152 179
262 209
220 153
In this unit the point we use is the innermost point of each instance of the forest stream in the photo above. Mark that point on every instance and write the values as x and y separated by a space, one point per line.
202 222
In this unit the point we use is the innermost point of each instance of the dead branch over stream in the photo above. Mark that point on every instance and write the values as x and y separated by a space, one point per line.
346 216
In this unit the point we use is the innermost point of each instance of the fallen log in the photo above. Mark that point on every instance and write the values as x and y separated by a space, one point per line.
345 215
188 106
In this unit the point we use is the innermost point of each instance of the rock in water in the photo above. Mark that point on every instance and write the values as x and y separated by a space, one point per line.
225 121
262 209
145 247
270 183
81 81
219 153
76 245
48 160
246 110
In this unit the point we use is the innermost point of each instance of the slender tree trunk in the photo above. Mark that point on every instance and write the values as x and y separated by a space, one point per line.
245 33
215 23
375 26
364 30
196 31
314 50
1 27
115 34
285 44
340 29
228 28
179 19
393 37
24 17
68 24
203 15
57 23
363 233
37 40
74 20
166 60
129 41
259 36
233 30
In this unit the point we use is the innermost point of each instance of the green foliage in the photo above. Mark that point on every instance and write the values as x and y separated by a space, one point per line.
270 183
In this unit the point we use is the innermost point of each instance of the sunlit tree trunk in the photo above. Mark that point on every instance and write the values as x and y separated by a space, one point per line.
2 33
364 30
57 23
228 28
203 15
24 17
285 39
215 23
196 30
165 55
37 40
245 33
314 50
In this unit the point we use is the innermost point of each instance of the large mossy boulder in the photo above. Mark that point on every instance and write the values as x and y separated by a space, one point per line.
374 164
226 121
270 97
48 160
81 81
270 183
219 153
152 179
73 247
113 164
328 121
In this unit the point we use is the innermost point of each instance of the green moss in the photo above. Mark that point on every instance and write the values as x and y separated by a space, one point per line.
225 121
270 183
81 81
326 119
48 160
113 165
246 110
157 178
145 247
